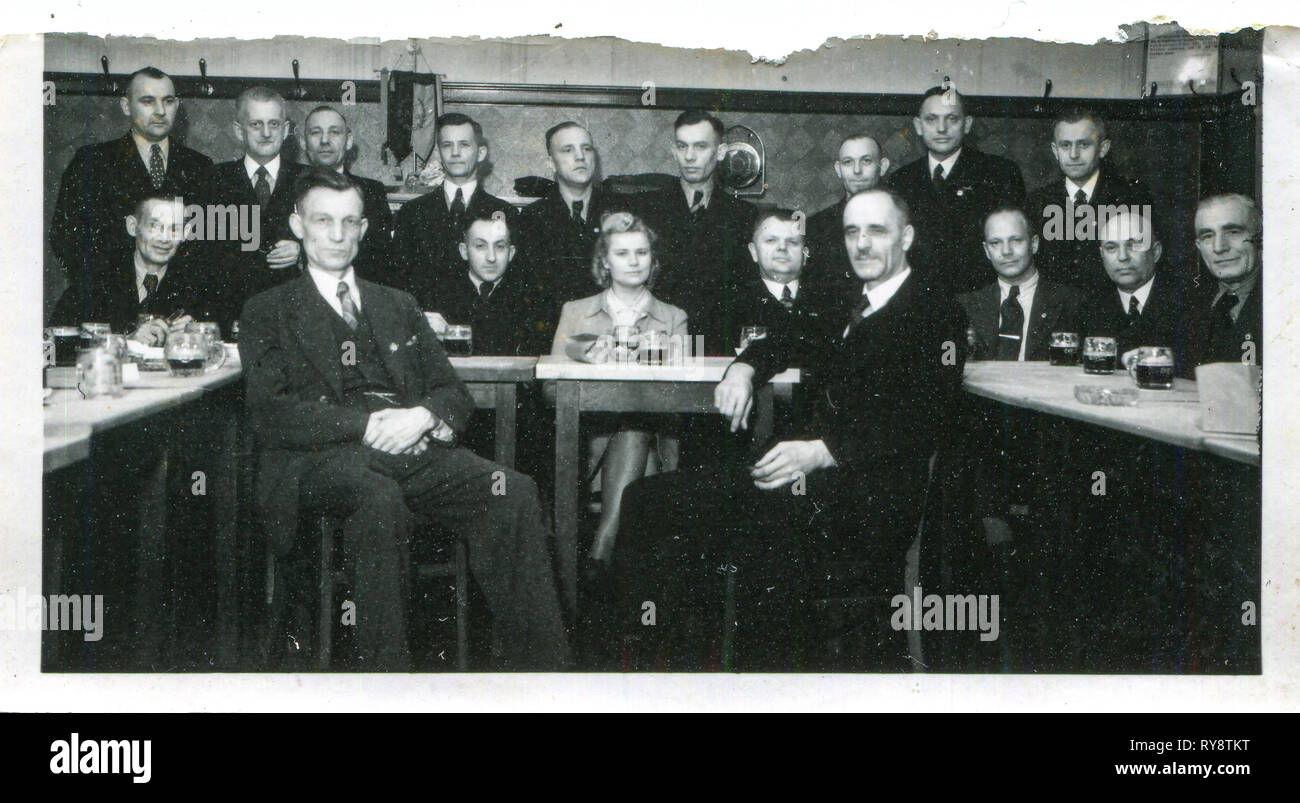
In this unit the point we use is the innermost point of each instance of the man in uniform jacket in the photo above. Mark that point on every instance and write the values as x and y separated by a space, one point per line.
356 409
889 374
703 232
104 182
1228 237
327 140
1013 317
950 191
262 179
427 230
1064 212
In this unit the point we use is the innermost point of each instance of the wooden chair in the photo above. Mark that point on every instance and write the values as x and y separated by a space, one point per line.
330 577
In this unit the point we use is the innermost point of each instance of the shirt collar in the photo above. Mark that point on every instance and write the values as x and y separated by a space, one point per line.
689 193
880 294
141 269
1142 294
948 163
327 284
272 168
145 147
568 198
1027 287
1088 187
775 287
467 191
477 282
1242 292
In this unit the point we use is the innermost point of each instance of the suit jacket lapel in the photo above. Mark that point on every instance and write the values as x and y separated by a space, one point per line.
989 312
309 322
1043 311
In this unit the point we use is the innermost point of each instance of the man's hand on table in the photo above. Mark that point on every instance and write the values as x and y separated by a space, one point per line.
788 459
734 395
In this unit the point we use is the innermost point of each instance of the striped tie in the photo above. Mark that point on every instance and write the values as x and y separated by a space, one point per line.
348 307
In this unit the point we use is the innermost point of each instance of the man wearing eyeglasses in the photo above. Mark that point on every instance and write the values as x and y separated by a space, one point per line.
260 180
1228 235
1143 306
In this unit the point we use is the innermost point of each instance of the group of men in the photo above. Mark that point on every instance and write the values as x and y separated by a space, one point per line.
880 298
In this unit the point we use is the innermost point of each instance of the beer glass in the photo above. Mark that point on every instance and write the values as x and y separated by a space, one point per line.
1153 368
186 353
626 341
93 334
1064 349
211 333
749 334
458 341
99 373
654 347
1099 355
66 340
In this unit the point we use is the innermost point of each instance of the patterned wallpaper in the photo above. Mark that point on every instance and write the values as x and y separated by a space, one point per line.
799 147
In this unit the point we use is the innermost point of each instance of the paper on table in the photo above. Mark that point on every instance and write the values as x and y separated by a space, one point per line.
1230 397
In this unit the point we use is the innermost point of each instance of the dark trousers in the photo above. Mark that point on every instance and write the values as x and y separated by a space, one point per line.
495 510
683 534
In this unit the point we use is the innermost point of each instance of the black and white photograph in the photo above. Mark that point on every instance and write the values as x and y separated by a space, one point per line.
898 358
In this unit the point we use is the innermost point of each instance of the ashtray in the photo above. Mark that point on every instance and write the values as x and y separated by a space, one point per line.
1106 397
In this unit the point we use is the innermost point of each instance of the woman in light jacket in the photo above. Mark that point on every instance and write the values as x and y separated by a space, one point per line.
623 262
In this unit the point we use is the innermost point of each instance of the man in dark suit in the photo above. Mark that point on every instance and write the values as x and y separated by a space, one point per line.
559 230
702 231
261 179
1229 230
777 295
1144 306
851 485
1013 317
859 166
950 191
104 182
492 295
1064 211
327 141
149 280
356 409
427 231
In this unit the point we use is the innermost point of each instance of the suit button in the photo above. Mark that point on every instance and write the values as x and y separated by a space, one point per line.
324 399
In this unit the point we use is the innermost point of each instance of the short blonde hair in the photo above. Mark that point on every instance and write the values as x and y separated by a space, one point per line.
612 223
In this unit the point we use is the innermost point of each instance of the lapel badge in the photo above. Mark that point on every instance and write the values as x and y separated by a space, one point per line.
410 342
392 347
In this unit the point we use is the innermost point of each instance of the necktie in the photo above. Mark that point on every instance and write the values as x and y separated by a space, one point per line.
150 286
1134 313
787 298
156 168
940 181
485 290
863 304
1080 198
1222 315
346 304
697 204
458 207
577 212
1013 322
262 188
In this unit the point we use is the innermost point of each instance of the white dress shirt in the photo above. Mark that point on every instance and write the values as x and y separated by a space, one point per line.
775 287
1026 299
690 194
948 163
626 314
327 284
880 294
272 169
466 191
1088 187
141 271
1142 293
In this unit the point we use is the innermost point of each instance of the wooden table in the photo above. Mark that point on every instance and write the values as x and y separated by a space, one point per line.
613 387
494 384
1169 416
71 424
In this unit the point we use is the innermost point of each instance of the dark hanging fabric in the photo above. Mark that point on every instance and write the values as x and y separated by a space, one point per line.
401 111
